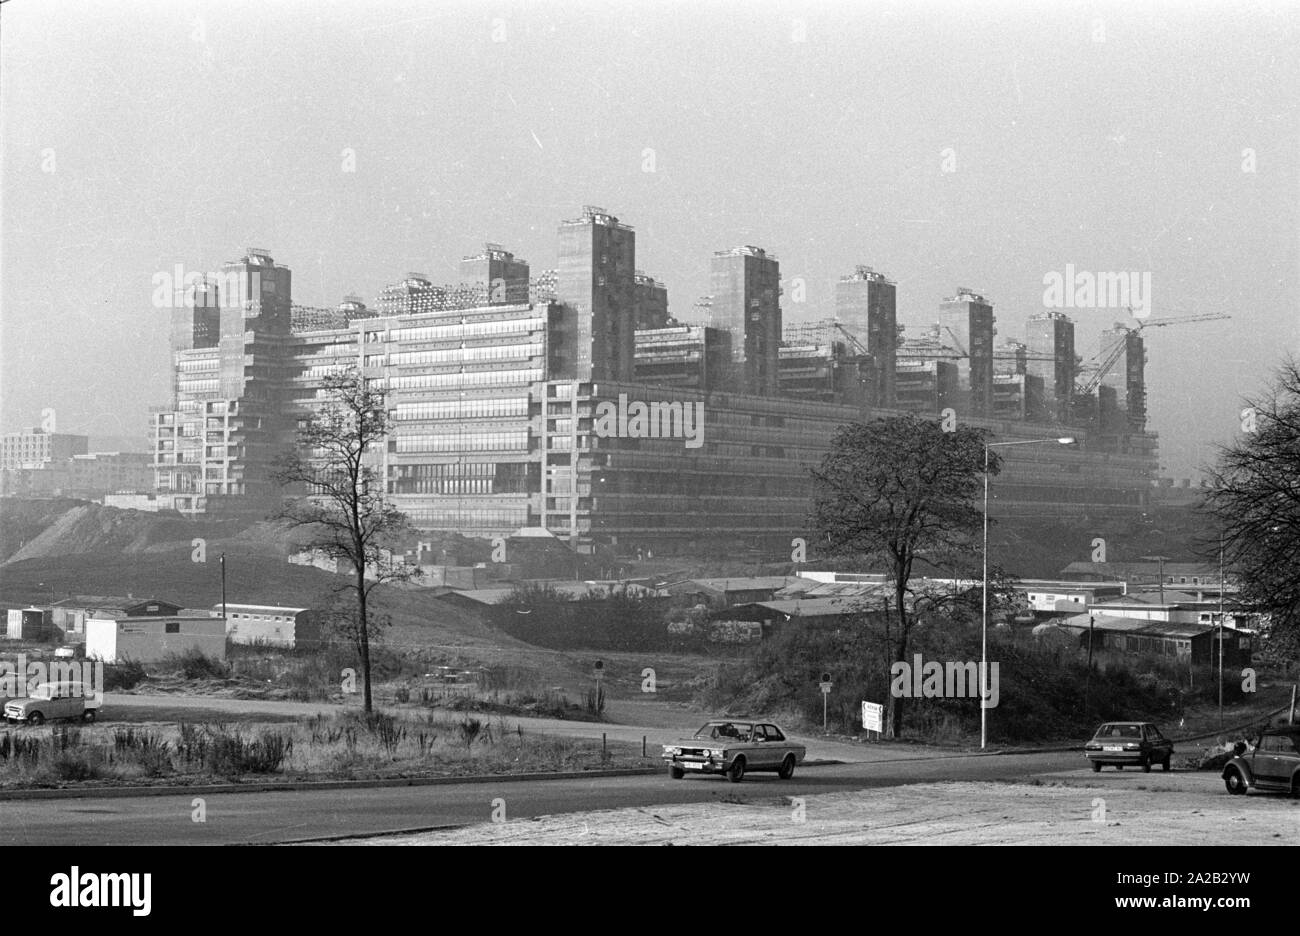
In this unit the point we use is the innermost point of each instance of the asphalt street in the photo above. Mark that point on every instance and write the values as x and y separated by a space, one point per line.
263 818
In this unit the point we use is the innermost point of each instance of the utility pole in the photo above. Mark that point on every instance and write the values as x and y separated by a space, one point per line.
1220 631
1160 574
223 589
1087 685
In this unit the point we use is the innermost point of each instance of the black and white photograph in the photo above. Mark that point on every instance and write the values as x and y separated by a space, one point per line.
637 423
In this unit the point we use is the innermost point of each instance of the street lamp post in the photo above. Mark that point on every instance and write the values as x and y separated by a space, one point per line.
984 629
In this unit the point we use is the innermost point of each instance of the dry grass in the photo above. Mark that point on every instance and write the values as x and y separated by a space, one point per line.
323 747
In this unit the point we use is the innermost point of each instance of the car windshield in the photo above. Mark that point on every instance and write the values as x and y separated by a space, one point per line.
739 731
43 691
1119 731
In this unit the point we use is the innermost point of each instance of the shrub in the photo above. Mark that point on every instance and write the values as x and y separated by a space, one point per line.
194 664
387 731
215 749
471 729
125 674
76 765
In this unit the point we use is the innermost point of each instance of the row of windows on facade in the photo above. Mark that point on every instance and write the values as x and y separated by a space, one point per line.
460 379
496 352
462 409
462 442
480 486
465 330
458 470
470 519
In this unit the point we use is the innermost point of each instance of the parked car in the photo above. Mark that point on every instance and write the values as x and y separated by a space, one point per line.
1272 764
734 747
50 700
1129 744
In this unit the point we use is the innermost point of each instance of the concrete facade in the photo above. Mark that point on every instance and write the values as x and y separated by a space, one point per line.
153 639
747 303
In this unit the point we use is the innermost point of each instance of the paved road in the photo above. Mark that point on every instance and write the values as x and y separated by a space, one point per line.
292 815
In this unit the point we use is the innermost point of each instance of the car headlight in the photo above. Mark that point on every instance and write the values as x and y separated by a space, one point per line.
715 752
672 751
1131 747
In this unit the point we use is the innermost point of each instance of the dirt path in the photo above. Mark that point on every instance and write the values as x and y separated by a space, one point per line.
1190 809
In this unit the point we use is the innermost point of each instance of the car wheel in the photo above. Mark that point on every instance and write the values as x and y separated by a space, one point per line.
1096 767
1146 765
1235 782
88 715
36 718
787 768
676 773
736 772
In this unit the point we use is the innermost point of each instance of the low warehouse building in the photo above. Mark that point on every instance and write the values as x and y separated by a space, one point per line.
71 614
272 626
151 639
28 624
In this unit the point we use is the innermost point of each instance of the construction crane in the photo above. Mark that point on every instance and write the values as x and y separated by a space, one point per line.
1093 381
941 351
853 339
815 331
945 351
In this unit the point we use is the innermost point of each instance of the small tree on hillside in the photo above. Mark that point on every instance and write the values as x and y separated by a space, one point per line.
1255 494
342 504
901 489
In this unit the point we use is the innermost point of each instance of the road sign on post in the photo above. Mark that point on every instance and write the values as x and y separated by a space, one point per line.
873 717
826 694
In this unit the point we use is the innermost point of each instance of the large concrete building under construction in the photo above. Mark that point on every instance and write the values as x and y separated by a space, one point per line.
537 402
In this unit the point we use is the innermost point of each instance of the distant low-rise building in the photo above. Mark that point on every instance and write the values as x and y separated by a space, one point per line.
1186 642
36 448
28 624
1185 576
272 626
87 475
1056 596
725 592
153 639
71 614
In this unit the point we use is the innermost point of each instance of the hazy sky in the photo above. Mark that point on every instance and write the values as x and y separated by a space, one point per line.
137 136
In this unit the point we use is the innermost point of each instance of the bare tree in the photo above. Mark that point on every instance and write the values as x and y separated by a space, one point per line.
341 500
1255 494
904 490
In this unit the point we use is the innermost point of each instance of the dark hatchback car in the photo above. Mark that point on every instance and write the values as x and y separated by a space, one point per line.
1273 764
1129 744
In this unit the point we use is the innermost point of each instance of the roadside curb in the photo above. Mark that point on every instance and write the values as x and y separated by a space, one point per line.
307 785
352 836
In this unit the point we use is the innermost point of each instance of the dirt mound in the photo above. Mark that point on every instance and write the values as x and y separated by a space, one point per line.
23 519
45 529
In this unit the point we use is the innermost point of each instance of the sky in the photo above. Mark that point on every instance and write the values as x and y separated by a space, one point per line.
984 145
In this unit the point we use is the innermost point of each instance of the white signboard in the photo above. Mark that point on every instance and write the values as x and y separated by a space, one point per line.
873 716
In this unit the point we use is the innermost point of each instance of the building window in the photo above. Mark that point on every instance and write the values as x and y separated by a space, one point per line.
172 627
